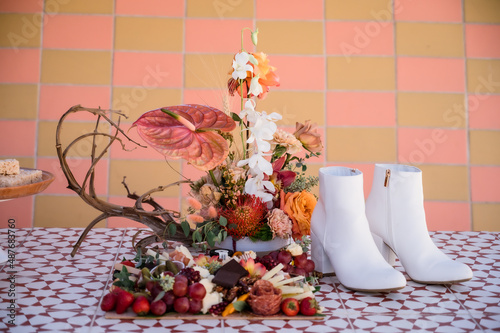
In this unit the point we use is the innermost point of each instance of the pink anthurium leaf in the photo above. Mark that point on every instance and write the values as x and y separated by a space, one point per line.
186 131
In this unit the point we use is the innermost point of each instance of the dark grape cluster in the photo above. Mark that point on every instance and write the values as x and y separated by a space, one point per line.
192 275
218 308
267 261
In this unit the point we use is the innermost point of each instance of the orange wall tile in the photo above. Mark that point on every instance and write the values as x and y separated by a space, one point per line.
380 78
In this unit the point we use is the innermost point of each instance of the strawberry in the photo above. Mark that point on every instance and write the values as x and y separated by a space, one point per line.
308 306
108 302
141 306
290 306
123 300
128 263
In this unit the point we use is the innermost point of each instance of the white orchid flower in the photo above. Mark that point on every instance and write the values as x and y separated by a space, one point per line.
241 66
258 186
257 164
255 87
249 111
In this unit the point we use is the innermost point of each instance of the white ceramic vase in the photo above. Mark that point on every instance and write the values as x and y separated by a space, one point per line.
259 247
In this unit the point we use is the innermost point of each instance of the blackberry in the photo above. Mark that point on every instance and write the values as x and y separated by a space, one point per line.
218 308
267 261
192 275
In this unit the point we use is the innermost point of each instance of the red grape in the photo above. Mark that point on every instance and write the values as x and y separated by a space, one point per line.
300 260
195 306
197 291
180 285
169 299
309 266
284 257
158 308
181 305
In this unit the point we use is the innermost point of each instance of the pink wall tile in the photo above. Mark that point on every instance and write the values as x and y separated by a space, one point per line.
484 111
428 10
19 66
147 69
482 40
485 184
203 35
21 138
56 99
302 73
25 6
79 167
436 145
360 109
119 222
172 8
20 209
214 98
430 74
359 38
447 216
136 152
289 9
189 172
80 32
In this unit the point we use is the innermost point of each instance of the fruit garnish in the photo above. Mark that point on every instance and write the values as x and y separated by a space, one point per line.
124 300
290 306
308 306
141 306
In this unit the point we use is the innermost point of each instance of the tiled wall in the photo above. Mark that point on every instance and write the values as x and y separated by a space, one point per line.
406 81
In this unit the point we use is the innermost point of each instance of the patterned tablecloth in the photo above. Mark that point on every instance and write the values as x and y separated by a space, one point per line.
51 291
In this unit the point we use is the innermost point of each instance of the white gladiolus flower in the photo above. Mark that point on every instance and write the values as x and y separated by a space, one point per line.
255 87
241 66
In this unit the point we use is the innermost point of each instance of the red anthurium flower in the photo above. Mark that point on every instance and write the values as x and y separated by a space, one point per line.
286 177
187 132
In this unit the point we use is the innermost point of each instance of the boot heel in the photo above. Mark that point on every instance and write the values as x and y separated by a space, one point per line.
318 255
385 250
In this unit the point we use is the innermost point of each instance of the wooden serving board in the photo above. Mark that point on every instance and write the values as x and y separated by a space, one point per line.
186 316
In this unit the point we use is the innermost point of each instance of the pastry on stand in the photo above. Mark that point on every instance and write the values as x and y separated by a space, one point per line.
18 182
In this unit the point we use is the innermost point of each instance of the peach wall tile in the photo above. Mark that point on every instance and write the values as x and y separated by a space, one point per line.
447 216
445 182
291 37
482 76
482 40
76 67
299 73
172 8
20 30
359 38
360 109
21 138
485 184
80 32
436 145
483 11
289 9
430 74
19 66
147 69
220 9
203 35
208 70
442 11
483 111
484 147
79 168
25 6
19 101
20 209
55 100
379 10
486 217
80 6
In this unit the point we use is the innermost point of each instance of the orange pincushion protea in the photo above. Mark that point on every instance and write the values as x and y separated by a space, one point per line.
248 216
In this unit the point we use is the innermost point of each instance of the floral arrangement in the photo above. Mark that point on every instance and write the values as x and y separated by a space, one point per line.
255 185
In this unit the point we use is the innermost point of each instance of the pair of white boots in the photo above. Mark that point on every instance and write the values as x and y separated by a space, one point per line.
359 245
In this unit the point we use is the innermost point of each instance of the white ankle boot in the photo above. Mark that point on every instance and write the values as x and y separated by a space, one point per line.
395 211
341 241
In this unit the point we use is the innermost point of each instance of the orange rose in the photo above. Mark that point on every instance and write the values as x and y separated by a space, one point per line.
299 206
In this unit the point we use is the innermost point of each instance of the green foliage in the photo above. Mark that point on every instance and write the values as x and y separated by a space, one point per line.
123 280
264 234
303 182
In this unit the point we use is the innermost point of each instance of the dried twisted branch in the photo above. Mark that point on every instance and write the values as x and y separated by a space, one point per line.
158 219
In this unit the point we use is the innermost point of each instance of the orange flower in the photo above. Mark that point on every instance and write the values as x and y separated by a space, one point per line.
299 206
309 137
266 73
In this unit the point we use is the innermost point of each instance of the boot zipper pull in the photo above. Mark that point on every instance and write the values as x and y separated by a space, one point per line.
387 176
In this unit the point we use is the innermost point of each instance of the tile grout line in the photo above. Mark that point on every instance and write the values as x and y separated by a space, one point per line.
465 308
343 305
110 274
